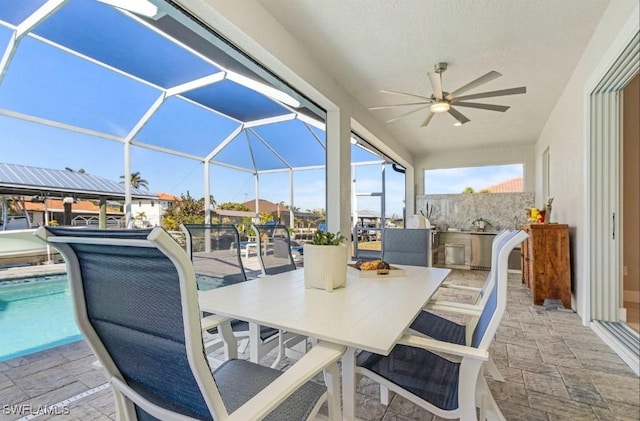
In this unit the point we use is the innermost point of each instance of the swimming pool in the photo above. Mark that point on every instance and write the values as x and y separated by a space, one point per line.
35 314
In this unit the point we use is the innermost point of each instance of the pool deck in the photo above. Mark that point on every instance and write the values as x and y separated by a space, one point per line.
555 370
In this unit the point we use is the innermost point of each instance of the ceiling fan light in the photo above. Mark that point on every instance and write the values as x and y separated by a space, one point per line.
457 124
439 107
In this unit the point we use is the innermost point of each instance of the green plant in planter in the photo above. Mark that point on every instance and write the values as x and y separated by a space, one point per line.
325 261
322 238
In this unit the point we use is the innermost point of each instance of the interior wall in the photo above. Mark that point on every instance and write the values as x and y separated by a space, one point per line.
497 155
631 190
566 133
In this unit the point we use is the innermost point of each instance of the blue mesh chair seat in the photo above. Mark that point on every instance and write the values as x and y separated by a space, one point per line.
439 328
135 299
423 373
231 378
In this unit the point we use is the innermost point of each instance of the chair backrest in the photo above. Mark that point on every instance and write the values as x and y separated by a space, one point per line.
406 246
274 249
214 250
135 300
494 302
495 248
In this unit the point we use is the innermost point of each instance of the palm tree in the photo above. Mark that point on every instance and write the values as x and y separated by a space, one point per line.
137 181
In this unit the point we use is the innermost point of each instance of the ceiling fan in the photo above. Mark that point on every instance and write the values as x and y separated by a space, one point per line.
441 101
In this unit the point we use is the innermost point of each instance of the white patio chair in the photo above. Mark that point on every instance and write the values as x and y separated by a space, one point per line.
135 300
217 264
274 249
440 328
417 370
275 256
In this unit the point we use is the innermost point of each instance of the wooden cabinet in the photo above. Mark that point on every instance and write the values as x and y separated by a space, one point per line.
545 262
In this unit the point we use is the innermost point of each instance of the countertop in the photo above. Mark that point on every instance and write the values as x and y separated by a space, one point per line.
470 232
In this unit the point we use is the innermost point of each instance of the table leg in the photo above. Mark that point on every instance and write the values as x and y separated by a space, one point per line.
254 343
349 384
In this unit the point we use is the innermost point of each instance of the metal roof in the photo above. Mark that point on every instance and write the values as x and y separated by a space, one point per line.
26 180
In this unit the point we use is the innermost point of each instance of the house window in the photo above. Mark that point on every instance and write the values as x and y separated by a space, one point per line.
485 179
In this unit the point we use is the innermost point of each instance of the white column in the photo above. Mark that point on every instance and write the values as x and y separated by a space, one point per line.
338 171
410 191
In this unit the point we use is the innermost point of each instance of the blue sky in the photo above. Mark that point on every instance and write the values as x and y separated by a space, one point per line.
70 90
49 83
42 146
455 180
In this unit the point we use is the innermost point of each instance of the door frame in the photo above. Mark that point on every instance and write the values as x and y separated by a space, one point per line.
602 113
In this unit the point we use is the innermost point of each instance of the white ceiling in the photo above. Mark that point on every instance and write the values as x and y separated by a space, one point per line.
369 45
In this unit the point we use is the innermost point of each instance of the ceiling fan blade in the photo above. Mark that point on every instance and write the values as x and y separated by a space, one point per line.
382 107
491 107
436 84
458 115
406 114
475 83
386 91
502 92
427 119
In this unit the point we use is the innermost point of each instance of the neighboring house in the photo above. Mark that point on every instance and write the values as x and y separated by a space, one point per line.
280 213
149 212
85 212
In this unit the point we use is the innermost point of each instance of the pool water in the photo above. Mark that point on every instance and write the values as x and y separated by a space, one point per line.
35 314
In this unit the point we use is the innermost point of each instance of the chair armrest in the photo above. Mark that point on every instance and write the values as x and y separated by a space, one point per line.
462 287
446 347
461 309
319 358
213 320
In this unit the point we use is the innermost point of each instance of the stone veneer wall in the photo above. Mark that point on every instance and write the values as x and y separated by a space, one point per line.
502 210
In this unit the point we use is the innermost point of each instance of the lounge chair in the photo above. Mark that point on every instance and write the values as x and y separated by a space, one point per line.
136 302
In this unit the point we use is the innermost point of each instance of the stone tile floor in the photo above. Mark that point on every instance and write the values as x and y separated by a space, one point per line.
555 370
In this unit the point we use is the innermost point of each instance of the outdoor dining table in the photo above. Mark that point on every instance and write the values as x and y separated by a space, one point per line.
368 314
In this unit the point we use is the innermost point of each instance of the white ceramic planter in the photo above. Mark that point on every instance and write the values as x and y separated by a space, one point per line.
325 267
